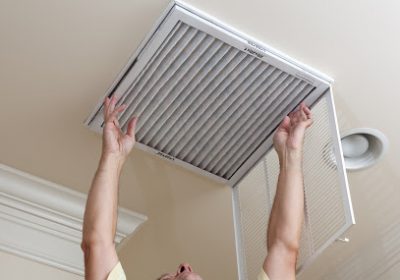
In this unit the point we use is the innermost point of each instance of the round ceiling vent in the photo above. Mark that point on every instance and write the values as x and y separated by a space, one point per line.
362 147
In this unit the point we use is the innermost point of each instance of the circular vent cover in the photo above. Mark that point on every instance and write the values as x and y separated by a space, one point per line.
363 147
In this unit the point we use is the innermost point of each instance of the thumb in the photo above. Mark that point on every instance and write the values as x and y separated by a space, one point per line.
132 127
309 122
285 123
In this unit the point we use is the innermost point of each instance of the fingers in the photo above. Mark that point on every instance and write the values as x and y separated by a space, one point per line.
308 122
119 109
110 111
285 123
302 116
305 110
113 102
106 106
132 127
306 115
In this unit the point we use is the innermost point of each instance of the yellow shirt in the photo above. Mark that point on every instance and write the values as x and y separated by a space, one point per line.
262 275
117 273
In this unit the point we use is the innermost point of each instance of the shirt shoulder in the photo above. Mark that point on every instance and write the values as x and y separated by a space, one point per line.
262 275
117 273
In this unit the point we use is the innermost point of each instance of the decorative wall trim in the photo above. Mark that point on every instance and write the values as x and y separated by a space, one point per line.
42 221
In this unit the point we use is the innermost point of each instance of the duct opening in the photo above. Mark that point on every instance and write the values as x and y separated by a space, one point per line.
363 147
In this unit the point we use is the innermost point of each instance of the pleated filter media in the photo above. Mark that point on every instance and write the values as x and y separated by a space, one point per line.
328 211
209 98
207 103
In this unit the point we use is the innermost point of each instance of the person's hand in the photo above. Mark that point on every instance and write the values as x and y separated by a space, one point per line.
289 136
115 142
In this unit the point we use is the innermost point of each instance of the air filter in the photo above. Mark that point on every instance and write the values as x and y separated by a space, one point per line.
208 98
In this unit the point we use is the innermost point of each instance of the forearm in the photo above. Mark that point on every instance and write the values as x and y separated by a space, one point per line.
287 213
101 208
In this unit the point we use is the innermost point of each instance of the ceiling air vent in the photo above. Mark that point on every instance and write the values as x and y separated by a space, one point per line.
208 98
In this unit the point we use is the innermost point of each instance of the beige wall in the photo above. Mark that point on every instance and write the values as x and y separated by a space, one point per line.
16 268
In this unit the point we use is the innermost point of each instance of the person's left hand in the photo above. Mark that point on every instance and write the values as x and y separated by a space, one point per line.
115 142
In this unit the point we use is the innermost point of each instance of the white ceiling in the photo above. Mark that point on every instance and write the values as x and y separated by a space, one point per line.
58 58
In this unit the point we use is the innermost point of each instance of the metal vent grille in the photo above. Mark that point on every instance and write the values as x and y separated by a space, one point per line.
253 204
208 98
328 210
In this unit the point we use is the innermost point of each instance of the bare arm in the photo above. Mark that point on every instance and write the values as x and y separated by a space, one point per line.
100 218
286 219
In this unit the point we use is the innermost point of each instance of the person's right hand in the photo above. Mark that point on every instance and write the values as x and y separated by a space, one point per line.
289 136
115 142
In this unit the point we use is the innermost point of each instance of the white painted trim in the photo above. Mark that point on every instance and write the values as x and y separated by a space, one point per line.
337 149
42 221
241 260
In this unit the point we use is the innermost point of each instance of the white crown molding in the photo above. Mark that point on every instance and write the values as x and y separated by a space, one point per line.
42 221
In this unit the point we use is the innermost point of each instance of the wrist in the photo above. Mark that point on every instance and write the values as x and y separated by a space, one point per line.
291 159
111 160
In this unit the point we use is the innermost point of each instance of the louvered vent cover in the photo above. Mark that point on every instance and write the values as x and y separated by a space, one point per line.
208 98
328 209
